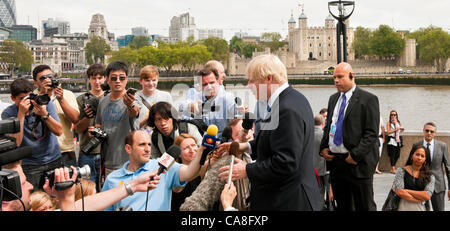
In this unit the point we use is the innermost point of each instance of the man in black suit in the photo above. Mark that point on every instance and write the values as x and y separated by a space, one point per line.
282 177
350 142
439 163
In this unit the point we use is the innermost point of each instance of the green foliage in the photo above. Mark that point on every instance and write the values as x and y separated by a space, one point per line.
139 42
433 45
167 55
361 41
96 50
249 48
272 40
16 55
385 42
218 48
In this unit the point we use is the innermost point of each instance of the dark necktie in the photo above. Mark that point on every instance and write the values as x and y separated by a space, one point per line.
428 148
338 135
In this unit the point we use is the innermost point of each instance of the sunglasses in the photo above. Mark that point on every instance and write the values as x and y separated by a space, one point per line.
121 78
393 114
429 131
44 77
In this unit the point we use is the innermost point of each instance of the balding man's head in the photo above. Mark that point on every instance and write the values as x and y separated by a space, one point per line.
344 77
216 65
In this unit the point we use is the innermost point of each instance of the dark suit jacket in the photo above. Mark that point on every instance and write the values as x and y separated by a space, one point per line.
282 178
440 157
360 131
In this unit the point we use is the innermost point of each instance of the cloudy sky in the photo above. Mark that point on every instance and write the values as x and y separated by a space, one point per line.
251 16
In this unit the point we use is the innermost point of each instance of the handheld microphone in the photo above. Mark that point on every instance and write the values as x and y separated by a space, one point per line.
226 134
248 121
165 162
209 141
168 158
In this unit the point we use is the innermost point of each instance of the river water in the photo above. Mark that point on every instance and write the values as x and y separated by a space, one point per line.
415 105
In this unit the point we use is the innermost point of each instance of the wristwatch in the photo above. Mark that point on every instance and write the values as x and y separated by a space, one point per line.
129 190
44 118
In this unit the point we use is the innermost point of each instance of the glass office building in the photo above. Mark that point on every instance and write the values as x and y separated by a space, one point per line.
8 13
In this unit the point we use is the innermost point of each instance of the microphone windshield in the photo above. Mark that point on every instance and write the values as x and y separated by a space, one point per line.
212 130
247 122
234 148
15 155
226 134
174 151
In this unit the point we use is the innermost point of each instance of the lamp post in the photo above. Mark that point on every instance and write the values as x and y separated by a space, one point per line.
341 29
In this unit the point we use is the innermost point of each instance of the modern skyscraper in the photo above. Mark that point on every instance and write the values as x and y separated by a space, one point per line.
8 13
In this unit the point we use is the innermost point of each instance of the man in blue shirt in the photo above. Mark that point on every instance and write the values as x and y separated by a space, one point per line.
38 129
138 146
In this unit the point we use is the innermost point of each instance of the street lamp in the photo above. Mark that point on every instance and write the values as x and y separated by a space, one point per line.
341 15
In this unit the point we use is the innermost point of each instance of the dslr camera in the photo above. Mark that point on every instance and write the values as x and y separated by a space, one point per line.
92 102
39 99
83 173
100 136
54 84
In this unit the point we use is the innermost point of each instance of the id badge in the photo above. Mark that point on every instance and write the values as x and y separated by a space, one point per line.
332 130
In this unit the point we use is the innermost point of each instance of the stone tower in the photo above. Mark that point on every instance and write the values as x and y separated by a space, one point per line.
98 27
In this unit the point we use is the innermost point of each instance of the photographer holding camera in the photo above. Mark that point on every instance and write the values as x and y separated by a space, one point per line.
117 115
88 104
66 107
39 126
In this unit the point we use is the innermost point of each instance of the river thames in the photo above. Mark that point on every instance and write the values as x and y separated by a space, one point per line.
415 105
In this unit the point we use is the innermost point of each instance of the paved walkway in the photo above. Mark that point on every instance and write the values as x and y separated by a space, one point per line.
382 183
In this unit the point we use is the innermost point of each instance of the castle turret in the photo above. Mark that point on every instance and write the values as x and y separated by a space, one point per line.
302 20
291 23
329 22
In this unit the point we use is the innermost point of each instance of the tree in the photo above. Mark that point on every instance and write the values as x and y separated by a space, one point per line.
96 50
16 55
249 48
272 40
191 56
361 41
433 46
126 54
139 42
386 43
218 48
236 45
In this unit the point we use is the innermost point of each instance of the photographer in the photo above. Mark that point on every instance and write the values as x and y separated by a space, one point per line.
66 107
117 115
39 126
88 104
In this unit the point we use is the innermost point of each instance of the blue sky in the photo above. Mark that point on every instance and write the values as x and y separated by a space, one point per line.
251 16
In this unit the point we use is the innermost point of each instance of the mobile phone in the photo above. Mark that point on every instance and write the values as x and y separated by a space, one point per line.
131 91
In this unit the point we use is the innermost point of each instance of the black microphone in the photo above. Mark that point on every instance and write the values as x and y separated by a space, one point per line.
226 134
168 158
248 121
15 155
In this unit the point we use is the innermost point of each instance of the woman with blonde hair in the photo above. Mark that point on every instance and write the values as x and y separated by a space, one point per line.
41 201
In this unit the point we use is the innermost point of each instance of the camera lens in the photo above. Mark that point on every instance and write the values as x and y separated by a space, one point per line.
84 172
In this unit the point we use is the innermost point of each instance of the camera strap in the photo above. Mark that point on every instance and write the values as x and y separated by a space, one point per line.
35 126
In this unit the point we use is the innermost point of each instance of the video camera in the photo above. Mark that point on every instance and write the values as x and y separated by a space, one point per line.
9 153
92 102
83 173
100 136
